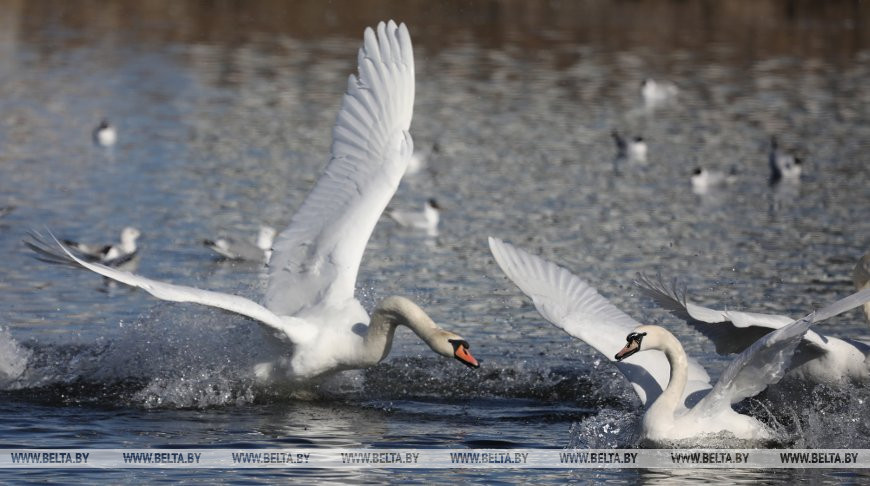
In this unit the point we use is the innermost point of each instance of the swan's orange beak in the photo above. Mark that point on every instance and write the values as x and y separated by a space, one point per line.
461 353
628 350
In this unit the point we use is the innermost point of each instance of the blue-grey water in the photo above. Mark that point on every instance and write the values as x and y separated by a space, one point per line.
224 112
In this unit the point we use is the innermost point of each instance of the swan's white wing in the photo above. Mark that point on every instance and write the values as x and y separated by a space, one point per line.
316 259
730 331
295 329
766 361
577 308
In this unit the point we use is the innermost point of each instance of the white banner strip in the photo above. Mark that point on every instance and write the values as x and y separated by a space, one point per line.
434 458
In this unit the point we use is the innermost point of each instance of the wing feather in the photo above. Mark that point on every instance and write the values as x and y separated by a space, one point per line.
316 259
577 308
295 329
766 361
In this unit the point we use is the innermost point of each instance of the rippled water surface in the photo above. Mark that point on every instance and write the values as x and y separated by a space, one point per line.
224 113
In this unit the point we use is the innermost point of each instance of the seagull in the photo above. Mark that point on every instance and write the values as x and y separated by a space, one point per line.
419 160
704 180
680 401
634 150
783 166
309 300
655 93
105 134
4 210
111 255
426 220
233 249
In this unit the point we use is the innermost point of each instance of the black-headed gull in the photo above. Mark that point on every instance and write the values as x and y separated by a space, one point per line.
235 249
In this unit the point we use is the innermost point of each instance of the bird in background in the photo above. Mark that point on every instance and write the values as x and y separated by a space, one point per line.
426 220
105 135
233 249
783 166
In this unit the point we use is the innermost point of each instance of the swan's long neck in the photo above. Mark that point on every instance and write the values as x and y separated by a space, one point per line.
669 400
391 313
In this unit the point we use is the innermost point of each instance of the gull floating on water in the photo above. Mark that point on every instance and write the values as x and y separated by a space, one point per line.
310 298
105 134
655 93
4 210
234 249
819 358
634 150
419 160
680 401
703 180
426 220
783 166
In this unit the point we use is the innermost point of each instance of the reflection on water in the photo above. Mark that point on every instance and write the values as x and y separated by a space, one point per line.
224 112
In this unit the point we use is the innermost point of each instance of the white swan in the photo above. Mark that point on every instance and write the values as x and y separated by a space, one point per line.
819 358
575 307
426 220
783 166
111 254
310 295
234 249
105 135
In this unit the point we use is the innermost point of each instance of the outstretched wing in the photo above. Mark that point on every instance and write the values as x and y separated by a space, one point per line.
766 361
316 259
578 309
295 329
730 331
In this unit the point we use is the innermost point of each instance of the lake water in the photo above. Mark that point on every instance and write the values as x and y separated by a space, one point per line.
224 114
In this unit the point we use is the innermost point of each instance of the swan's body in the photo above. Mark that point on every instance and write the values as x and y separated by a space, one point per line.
111 254
310 295
234 249
688 406
818 359
634 150
426 220
655 93
105 135
783 166
703 180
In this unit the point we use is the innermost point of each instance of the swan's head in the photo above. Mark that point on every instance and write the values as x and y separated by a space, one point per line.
632 345
454 346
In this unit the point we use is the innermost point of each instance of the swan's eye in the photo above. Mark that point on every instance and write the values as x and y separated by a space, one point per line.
635 337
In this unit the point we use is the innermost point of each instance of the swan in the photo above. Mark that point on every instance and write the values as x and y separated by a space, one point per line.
105 135
819 359
783 166
233 249
427 219
653 360
109 254
309 299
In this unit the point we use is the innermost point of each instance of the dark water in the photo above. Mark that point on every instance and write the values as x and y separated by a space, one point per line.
224 112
